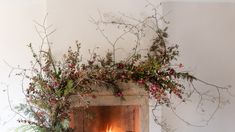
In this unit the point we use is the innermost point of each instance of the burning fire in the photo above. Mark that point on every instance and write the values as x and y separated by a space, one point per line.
109 129
113 128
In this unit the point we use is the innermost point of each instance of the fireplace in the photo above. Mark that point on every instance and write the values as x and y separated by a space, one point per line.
107 113
108 119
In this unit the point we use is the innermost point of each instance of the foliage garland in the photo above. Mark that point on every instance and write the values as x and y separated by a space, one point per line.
52 82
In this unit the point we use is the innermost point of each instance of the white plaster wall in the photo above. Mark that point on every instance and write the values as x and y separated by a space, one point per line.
205 32
71 19
16 31
201 1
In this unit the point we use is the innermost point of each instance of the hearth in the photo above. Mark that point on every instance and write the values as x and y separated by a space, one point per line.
107 113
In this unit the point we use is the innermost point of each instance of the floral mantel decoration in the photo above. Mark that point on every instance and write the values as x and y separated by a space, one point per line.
52 82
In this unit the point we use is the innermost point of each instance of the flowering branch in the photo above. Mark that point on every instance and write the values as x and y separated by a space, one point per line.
53 82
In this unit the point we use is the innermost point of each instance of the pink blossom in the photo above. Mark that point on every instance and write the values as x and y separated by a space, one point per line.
141 81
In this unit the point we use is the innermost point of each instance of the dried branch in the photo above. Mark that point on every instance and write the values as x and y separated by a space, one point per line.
138 27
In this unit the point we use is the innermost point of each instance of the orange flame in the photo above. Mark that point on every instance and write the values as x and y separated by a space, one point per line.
109 129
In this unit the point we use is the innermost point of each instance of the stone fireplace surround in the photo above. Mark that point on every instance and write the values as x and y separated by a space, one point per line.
134 96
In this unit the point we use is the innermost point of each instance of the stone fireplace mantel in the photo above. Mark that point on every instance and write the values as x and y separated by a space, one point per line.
134 96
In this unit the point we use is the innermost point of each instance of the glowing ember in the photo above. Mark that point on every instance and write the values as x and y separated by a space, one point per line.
109 129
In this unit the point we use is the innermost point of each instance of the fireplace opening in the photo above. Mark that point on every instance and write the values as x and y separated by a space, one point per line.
118 118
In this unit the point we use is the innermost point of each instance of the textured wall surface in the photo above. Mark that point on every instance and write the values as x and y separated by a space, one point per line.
205 34
17 31
204 30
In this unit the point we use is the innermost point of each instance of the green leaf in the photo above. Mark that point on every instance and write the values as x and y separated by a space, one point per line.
65 123
69 87
30 128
